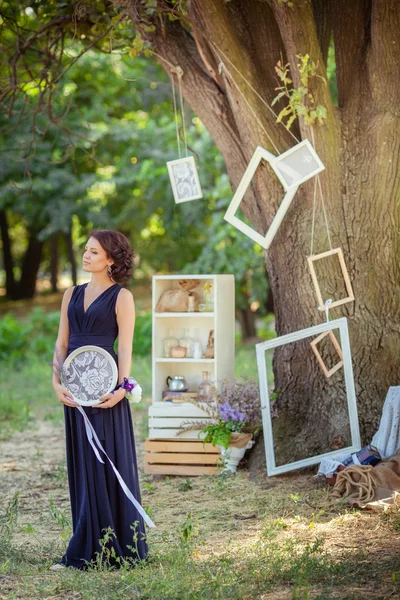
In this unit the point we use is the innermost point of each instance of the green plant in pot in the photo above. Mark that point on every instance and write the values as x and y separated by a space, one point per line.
236 416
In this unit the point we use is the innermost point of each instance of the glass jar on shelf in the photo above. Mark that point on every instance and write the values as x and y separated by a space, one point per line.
206 389
187 342
169 342
197 349
208 296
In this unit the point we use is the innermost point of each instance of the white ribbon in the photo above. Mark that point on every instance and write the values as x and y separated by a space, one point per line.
326 308
91 434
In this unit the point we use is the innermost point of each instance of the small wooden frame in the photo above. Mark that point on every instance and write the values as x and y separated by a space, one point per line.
313 344
349 289
180 457
184 179
340 324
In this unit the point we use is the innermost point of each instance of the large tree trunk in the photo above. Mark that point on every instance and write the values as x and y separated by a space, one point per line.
8 262
30 266
359 145
54 258
71 257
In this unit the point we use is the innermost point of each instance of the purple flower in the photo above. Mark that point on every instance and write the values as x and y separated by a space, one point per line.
227 412
129 384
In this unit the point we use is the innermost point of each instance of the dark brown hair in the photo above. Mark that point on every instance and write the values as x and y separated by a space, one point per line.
116 246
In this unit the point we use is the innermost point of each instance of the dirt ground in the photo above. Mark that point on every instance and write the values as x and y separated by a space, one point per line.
32 463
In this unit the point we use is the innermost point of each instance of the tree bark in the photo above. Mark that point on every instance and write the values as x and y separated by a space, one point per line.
71 257
8 262
54 258
359 143
29 269
247 321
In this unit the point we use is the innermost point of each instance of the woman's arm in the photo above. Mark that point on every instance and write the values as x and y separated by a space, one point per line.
61 350
125 310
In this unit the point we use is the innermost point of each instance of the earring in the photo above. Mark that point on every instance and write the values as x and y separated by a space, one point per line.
109 272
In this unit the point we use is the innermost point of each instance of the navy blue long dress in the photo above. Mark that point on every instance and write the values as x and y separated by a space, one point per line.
97 499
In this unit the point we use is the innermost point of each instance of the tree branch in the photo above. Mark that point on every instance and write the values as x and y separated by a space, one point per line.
323 10
351 38
384 55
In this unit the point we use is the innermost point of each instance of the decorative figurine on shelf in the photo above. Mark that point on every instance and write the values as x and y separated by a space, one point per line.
206 390
209 353
208 296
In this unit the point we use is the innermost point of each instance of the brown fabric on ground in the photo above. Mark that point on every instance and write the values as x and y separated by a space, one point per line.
240 440
361 484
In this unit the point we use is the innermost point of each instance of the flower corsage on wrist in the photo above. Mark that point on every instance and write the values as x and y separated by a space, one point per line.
133 391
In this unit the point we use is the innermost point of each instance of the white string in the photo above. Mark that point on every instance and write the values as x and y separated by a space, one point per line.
253 89
325 307
313 216
180 73
325 215
176 116
221 64
318 182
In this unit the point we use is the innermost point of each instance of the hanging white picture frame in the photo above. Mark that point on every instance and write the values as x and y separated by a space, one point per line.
264 241
297 165
184 179
341 325
292 168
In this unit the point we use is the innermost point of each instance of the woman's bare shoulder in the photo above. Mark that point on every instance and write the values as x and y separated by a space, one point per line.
125 298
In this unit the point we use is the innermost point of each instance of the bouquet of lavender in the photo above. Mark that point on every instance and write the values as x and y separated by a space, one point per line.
237 410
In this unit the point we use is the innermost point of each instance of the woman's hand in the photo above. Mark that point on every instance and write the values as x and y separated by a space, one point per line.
110 400
63 395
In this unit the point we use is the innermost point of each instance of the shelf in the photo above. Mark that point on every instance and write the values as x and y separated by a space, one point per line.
185 360
183 314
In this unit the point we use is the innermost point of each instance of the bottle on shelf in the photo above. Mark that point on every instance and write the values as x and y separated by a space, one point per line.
169 342
206 391
187 342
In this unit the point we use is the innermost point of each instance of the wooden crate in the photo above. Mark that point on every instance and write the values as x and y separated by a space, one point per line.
183 457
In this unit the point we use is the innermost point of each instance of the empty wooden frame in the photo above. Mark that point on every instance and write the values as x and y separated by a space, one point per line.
341 325
314 343
346 278
292 168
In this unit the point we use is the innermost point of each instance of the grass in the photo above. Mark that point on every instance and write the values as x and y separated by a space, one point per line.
241 538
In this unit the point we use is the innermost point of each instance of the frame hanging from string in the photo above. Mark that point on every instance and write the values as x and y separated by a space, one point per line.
182 172
331 252
293 167
350 295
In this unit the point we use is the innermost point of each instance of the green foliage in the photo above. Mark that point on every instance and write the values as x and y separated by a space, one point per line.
301 101
219 434
142 337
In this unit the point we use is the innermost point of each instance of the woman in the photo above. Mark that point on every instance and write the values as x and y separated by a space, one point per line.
96 313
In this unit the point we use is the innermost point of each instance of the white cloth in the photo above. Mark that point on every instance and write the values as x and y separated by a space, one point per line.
329 466
387 438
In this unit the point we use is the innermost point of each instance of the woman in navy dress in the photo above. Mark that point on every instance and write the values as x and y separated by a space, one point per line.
96 313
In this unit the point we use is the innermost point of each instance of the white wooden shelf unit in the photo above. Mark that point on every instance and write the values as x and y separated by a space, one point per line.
165 418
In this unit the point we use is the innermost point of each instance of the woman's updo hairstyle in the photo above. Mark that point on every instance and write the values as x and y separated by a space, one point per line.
116 246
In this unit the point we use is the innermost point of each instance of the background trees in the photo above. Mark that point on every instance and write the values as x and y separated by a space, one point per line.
217 44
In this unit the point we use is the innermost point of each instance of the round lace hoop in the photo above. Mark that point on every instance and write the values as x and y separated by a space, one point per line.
89 373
